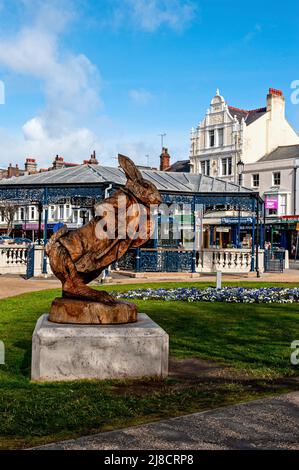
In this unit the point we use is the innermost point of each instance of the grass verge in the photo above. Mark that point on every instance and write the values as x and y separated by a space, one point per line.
249 344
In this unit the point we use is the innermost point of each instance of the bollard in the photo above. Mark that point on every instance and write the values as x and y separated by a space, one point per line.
218 280
2 353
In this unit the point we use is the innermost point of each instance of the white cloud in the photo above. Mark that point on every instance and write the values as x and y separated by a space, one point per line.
140 96
33 130
150 15
71 86
70 82
74 145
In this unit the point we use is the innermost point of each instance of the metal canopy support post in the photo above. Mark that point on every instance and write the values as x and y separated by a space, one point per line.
46 216
193 267
257 238
239 228
211 235
40 214
156 229
138 261
252 236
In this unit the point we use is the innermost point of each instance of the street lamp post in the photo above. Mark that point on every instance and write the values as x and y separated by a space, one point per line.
240 169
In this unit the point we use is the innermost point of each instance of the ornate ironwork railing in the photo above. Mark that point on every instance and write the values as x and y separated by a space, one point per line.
156 260
274 260
127 262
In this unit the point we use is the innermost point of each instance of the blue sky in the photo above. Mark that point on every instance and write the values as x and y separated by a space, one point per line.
111 75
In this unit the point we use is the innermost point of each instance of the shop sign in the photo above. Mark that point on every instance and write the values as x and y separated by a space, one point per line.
31 226
271 202
290 219
236 220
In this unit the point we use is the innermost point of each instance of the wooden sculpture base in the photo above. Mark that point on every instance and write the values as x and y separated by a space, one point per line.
65 310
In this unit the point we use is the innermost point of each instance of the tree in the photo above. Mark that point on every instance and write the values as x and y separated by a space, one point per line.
8 210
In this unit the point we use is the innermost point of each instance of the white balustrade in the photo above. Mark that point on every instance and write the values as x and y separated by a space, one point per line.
228 261
13 259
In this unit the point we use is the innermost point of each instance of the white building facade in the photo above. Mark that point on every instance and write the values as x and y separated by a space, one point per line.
268 148
228 134
276 177
26 219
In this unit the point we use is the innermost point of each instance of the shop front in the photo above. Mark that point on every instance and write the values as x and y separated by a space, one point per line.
289 234
233 231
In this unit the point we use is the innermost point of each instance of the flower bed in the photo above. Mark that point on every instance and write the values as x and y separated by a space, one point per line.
227 294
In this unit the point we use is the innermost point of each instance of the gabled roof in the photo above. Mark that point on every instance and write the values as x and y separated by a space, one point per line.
249 115
180 166
166 181
282 153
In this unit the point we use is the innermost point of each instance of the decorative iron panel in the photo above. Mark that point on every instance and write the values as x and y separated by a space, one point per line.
51 195
127 262
165 261
30 262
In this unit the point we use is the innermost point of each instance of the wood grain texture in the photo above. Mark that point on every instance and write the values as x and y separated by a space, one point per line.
78 257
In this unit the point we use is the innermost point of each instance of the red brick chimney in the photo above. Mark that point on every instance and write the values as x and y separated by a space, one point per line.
58 163
30 165
93 158
276 103
164 159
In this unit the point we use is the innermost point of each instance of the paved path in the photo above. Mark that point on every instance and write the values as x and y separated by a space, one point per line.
15 285
271 423
289 275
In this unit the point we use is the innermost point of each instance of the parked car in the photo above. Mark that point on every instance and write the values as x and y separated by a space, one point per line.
5 240
21 241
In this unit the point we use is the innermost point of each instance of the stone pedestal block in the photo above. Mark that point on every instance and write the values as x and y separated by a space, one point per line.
76 352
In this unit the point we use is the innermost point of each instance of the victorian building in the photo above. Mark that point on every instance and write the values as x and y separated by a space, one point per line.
228 135
275 176
180 243
257 148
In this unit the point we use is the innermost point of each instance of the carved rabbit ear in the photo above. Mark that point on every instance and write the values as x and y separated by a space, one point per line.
130 169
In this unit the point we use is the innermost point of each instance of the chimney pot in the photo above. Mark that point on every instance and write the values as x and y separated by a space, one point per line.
164 159
274 91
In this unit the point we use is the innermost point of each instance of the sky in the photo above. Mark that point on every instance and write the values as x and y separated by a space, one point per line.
111 75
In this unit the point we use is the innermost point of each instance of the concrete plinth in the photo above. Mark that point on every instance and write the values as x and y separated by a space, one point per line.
74 352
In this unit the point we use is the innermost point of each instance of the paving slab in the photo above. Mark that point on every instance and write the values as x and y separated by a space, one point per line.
270 423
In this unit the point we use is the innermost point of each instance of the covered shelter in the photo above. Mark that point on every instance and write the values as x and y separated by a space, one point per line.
87 184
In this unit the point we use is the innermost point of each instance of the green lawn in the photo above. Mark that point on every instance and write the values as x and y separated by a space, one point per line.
253 339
